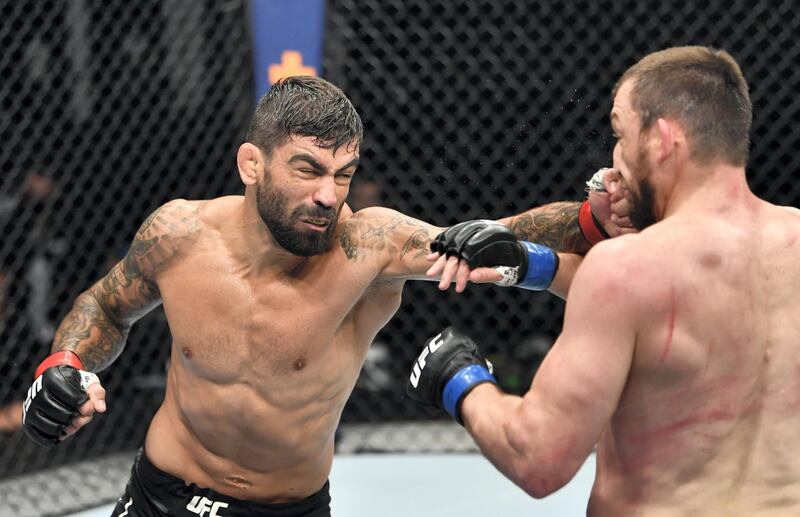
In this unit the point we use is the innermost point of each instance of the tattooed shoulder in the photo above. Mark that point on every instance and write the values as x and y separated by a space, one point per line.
379 230
166 231
129 289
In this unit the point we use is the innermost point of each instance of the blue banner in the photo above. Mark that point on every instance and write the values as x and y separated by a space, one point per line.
287 39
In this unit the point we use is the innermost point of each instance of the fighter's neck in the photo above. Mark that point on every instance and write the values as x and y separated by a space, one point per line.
708 189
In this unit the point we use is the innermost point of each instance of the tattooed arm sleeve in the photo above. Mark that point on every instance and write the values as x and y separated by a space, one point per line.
554 225
404 242
397 242
98 324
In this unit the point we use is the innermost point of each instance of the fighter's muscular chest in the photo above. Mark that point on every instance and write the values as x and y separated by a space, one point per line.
229 323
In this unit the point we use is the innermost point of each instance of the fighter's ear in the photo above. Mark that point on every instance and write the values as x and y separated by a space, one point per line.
665 138
250 161
669 135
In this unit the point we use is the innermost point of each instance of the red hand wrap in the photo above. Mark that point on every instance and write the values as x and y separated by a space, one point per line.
592 232
58 358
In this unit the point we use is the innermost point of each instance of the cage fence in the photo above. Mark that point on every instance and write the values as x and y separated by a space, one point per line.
472 109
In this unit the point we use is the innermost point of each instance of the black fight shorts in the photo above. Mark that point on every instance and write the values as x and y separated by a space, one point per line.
154 493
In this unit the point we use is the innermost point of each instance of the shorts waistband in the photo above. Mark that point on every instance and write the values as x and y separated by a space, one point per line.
157 481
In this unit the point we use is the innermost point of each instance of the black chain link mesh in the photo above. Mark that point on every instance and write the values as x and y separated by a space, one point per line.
482 109
109 109
472 108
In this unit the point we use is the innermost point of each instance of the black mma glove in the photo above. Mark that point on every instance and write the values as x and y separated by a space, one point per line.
55 397
448 368
484 243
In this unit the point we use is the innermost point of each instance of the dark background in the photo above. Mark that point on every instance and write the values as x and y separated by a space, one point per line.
479 108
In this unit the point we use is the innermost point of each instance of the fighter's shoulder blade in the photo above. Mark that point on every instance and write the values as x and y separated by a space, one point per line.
626 271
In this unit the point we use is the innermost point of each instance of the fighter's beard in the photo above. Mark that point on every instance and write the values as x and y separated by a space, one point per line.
643 202
643 205
272 205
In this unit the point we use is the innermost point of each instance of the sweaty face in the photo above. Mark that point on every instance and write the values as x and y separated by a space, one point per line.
301 192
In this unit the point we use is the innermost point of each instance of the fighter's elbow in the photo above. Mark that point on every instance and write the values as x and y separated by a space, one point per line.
537 492
539 483
542 464
543 472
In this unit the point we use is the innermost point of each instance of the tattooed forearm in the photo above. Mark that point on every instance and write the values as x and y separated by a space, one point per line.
125 292
554 225
419 244
89 332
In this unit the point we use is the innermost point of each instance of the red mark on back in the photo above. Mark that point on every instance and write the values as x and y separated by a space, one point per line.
670 326
662 432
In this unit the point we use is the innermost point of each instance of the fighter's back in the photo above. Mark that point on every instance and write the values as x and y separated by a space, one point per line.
707 423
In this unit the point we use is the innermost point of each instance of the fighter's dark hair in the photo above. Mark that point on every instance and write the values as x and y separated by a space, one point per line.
305 106
704 89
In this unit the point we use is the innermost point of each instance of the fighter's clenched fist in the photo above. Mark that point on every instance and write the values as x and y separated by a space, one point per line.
447 369
61 400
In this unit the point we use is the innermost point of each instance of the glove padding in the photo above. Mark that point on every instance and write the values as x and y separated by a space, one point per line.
482 243
53 400
448 355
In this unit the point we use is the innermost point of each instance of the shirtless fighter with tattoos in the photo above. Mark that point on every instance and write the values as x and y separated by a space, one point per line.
272 299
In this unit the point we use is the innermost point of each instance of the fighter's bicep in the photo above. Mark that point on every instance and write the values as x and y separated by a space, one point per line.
129 290
581 381
584 374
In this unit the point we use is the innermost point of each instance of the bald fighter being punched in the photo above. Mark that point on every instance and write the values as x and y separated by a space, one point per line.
680 352
272 299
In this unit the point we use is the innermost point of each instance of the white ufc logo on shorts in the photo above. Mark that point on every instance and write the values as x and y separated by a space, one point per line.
436 342
201 505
